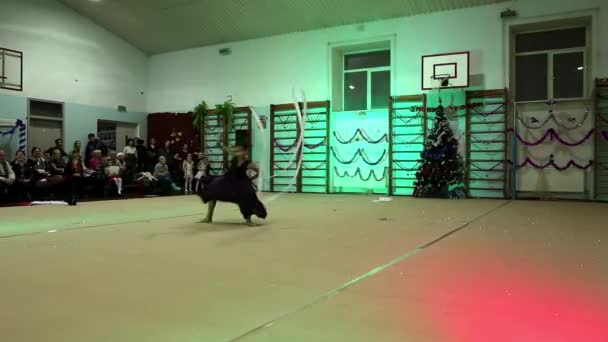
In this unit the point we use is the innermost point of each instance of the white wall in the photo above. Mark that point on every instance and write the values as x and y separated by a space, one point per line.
68 58
263 71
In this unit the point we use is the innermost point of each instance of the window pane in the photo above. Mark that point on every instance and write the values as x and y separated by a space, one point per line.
531 80
568 75
355 91
365 60
46 109
551 40
381 89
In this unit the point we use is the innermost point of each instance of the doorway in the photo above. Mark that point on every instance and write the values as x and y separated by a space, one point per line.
45 123
115 134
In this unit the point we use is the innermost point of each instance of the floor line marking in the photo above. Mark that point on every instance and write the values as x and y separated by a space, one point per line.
366 275
100 225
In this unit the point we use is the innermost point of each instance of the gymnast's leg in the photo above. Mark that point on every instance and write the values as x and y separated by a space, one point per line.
210 209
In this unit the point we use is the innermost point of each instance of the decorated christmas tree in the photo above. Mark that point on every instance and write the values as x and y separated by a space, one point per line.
441 164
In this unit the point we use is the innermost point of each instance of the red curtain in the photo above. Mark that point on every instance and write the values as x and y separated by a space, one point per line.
162 125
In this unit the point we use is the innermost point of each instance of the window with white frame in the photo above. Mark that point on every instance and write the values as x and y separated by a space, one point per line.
366 80
551 64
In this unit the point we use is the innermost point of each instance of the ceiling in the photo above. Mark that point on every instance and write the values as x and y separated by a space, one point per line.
156 26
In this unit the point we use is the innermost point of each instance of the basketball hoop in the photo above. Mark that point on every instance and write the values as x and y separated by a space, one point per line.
445 71
444 80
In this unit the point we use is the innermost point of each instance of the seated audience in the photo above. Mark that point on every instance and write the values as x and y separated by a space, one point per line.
39 167
23 176
56 168
77 147
130 152
162 174
151 155
114 169
141 154
93 145
7 176
75 172
58 146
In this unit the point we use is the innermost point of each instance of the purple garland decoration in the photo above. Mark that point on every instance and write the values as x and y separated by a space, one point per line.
363 134
605 135
359 153
287 148
358 172
313 146
551 162
551 133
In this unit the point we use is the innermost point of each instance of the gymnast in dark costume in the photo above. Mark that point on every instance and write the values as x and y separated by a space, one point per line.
235 186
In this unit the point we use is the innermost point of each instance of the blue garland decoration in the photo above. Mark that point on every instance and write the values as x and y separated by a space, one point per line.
359 173
437 155
22 133
359 153
363 135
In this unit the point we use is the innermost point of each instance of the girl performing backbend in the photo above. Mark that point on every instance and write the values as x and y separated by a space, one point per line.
234 186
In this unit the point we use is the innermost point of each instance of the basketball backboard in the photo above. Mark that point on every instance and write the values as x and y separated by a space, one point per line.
444 71
11 69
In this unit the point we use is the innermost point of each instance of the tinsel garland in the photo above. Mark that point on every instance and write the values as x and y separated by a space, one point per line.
359 173
363 134
448 108
551 162
474 167
359 153
284 148
407 119
552 134
313 146
19 124
552 117
318 167
287 148
437 155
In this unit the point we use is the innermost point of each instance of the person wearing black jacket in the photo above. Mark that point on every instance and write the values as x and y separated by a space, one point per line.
92 145
151 155
141 154
23 175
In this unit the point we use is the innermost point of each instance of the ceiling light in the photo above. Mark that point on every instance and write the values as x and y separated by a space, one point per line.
351 87
580 68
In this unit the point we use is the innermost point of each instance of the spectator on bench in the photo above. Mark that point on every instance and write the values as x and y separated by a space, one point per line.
58 146
114 170
77 147
39 167
92 145
23 176
7 176
74 176
56 168
162 174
